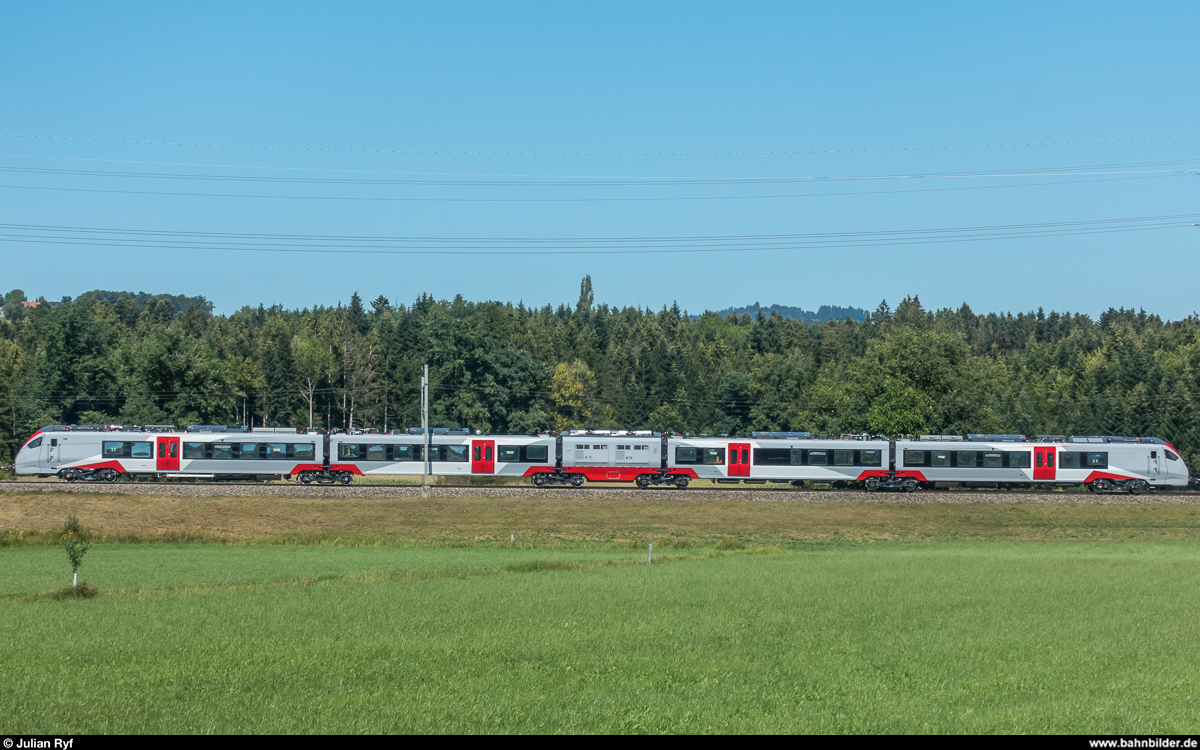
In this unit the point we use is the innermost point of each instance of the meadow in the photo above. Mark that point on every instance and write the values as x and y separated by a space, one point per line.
888 618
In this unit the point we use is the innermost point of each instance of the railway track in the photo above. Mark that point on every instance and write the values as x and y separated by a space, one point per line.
697 491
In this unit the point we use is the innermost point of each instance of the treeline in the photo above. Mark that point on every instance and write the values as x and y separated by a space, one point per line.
499 367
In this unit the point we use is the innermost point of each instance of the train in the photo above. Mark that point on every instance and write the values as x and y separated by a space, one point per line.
106 453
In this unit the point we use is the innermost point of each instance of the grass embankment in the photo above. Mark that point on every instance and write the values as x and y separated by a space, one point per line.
771 617
549 520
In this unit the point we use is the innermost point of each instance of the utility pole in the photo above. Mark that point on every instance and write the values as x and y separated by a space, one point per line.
425 432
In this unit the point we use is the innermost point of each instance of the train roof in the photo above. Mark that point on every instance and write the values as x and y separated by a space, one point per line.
466 432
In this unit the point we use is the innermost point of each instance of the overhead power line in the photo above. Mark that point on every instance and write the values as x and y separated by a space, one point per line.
1134 168
561 246
635 199
594 153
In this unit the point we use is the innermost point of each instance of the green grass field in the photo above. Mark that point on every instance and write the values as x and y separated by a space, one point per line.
834 636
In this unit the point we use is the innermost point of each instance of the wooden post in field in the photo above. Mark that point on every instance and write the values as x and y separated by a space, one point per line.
425 431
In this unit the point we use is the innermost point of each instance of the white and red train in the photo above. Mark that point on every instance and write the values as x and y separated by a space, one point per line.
106 453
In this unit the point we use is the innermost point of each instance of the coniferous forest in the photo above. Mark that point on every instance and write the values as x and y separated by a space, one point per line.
498 367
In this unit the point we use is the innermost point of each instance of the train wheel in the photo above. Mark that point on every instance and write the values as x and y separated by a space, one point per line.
1101 485
539 480
346 477
67 476
306 477
577 481
910 485
1137 486
643 481
108 476
872 484
681 483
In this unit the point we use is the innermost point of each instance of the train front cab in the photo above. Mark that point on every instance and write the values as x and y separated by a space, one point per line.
28 461
1099 463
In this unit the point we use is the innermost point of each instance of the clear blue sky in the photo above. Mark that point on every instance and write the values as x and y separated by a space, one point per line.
611 78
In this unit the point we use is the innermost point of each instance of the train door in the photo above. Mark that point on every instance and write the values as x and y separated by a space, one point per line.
1156 469
52 454
483 456
739 459
1043 463
168 454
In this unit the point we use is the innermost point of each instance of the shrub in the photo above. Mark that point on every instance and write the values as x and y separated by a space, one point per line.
74 541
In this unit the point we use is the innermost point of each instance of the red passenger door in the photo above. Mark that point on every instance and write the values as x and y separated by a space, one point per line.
739 459
1043 463
483 456
168 454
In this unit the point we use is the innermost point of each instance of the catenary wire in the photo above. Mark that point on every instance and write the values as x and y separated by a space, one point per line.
426 199
788 242
597 153
1059 171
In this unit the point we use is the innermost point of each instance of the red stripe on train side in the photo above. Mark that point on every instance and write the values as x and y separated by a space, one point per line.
903 474
610 473
102 465
332 467
1105 475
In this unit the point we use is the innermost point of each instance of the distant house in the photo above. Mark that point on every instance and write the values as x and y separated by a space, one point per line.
36 303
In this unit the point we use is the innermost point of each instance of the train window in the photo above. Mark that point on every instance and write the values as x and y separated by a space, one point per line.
350 451
249 451
403 453
1171 455
37 443
1097 459
773 456
1050 459
818 458
174 450
222 450
1068 460
193 450
535 452
966 459
110 449
939 458
914 458
796 457
509 453
456 453
303 450
843 458
1038 460
142 450
715 456
376 453
684 455
993 460
1019 460
870 458
276 450
162 450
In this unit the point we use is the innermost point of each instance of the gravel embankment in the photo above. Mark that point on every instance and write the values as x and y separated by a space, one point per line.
166 489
